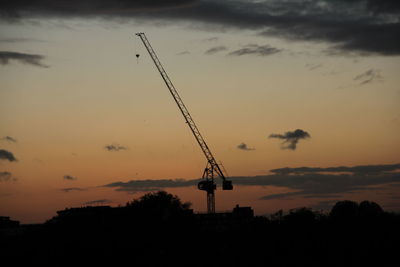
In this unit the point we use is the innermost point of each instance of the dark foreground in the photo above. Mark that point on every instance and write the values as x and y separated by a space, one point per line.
159 230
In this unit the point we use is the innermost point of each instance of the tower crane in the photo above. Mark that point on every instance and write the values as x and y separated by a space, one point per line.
212 169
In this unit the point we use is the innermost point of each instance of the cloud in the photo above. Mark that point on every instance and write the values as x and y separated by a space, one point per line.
97 202
35 60
69 189
134 186
243 146
183 53
70 178
215 49
19 40
211 39
325 186
384 6
254 49
9 139
7 155
311 66
369 76
312 185
18 10
291 138
115 147
361 26
6 176
359 170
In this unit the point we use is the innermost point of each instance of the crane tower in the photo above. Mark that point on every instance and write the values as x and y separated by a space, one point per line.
212 169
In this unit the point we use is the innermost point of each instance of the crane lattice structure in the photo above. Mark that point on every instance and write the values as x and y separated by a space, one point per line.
212 168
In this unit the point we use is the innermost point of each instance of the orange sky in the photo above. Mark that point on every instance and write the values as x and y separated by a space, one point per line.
95 93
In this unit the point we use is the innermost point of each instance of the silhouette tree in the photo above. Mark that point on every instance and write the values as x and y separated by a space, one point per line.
301 215
344 210
369 209
159 204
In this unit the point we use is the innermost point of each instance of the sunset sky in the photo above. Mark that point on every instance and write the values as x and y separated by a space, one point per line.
83 121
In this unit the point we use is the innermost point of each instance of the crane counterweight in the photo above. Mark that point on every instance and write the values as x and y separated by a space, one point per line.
212 169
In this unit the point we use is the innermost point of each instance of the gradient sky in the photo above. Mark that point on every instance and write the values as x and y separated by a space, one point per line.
71 85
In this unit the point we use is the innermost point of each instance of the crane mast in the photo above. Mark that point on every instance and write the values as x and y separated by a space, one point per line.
212 168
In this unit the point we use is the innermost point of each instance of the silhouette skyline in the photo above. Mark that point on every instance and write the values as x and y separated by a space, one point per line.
158 229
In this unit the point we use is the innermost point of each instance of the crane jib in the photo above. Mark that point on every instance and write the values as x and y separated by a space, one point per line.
212 165
181 105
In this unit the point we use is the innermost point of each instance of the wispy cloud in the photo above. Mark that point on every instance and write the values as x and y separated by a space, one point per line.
216 49
69 177
211 39
69 189
115 147
6 176
369 76
7 155
359 170
19 40
291 138
9 139
244 146
327 186
254 49
31 59
183 53
134 186
313 66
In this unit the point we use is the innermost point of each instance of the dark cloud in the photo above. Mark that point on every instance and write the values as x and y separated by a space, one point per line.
9 139
20 9
359 170
312 185
384 6
215 49
150 185
69 189
361 26
5 176
311 66
291 138
326 186
7 155
369 76
183 53
211 39
69 177
97 202
347 26
19 40
115 147
35 60
254 49
243 146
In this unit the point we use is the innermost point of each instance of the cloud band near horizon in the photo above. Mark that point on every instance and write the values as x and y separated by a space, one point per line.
311 185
